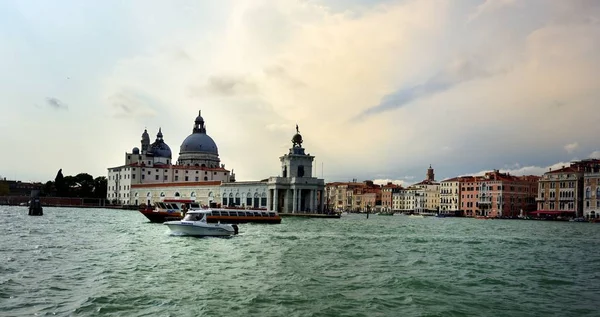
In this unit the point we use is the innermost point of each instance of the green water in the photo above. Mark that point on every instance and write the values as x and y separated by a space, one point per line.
85 262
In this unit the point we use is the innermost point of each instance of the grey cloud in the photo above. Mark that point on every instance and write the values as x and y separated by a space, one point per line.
226 86
126 103
56 103
461 70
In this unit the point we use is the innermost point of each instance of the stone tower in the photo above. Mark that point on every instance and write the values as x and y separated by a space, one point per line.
296 163
430 174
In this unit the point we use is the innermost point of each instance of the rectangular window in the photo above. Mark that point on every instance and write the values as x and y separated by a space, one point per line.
176 177
155 177
143 176
133 176
186 178
166 177
197 178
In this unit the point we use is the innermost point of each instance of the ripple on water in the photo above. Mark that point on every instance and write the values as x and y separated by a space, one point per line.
114 263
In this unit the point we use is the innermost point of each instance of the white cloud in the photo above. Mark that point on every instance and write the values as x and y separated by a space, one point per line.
526 170
386 181
595 154
571 147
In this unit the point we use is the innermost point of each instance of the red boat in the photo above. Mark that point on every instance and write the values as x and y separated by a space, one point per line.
172 209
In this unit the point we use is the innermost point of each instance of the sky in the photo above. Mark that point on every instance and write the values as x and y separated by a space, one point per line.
379 89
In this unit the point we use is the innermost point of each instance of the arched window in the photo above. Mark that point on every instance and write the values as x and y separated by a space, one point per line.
588 192
177 194
598 192
136 194
148 194
162 194
237 199
193 194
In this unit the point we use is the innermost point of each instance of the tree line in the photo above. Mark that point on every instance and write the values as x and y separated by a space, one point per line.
82 185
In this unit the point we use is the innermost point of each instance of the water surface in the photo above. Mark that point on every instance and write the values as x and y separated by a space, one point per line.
97 262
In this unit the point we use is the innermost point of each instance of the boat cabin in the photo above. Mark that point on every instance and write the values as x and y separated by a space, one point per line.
196 215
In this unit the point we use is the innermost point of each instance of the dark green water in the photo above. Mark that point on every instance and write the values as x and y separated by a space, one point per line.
84 262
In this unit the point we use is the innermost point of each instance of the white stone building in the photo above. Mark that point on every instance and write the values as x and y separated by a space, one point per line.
150 172
450 196
296 190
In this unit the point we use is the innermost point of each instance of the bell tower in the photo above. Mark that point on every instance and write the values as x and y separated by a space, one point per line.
430 174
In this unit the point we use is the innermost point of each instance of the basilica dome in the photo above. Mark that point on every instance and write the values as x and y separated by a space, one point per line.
198 148
199 142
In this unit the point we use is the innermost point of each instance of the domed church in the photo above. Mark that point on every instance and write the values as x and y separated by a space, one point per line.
149 176
149 173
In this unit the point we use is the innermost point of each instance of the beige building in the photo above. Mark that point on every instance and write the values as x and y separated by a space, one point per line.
450 196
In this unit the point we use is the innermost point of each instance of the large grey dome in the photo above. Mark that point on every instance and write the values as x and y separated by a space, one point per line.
199 142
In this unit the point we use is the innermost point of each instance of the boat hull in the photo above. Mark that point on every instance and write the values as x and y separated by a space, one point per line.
161 216
190 229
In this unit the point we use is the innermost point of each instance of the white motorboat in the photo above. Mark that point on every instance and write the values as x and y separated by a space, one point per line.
194 224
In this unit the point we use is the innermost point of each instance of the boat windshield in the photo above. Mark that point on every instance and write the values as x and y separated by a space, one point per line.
193 217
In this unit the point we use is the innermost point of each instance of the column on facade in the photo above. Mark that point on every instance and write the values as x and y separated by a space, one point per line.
314 201
299 199
275 200
321 202
269 200
286 200
294 200
310 199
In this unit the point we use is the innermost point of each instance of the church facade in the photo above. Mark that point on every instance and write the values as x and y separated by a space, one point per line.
150 175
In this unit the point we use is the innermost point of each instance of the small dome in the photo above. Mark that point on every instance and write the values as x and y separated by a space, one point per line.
199 142
135 150
160 149
297 139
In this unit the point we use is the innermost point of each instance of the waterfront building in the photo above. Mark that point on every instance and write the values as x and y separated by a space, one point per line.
150 168
404 200
296 190
427 196
249 194
353 196
387 193
504 195
469 195
150 175
591 198
560 192
450 196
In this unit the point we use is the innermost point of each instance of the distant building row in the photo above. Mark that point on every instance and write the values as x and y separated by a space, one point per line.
572 191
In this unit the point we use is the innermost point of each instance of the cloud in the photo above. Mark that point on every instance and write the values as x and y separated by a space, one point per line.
386 181
55 103
571 147
518 170
489 6
131 104
460 70
393 99
595 154
226 86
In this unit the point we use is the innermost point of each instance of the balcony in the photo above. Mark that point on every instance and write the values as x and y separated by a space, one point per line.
540 199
